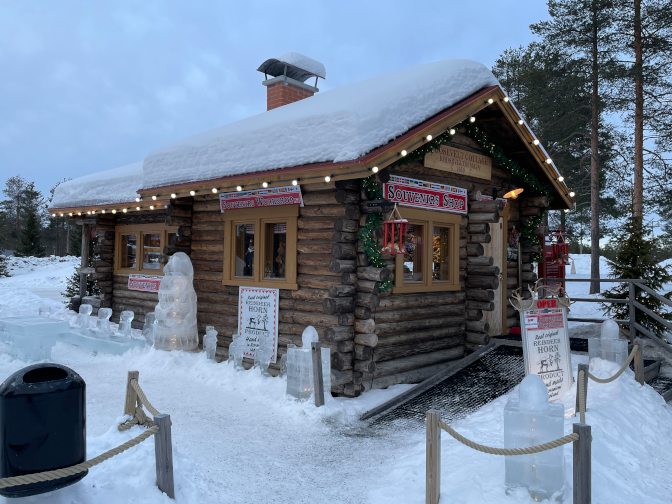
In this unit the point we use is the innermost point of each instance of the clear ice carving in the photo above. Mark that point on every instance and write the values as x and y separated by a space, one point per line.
210 342
529 420
103 322
283 360
30 338
300 367
149 328
83 316
608 346
264 353
176 312
125 320
236 349
44 311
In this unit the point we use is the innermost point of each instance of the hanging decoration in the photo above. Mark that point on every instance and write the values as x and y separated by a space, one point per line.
559 247
367 232
393 243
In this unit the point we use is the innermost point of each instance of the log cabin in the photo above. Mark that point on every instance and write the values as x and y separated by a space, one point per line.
303 198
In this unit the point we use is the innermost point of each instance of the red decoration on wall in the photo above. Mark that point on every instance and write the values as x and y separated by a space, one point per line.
394 233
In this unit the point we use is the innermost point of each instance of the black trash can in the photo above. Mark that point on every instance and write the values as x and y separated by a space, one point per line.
42 426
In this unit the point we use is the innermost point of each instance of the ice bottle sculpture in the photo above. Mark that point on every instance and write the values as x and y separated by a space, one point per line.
125 320
236 349
210 342
264 353
608 346
82 320
531 420
300 367
103 322
149 328
176 312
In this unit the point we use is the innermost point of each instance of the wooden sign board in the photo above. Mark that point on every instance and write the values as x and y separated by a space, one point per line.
260 198
454 160
546 345
144 283
422 194
258 315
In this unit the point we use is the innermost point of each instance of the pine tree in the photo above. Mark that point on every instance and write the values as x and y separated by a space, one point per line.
3 265
72 288
635 259
31 234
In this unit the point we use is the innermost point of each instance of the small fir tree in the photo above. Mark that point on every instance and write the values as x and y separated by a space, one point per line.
72 288
635 259
3 266
31 236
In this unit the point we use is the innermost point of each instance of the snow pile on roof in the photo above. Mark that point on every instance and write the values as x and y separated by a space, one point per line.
338 125
118 185
304 63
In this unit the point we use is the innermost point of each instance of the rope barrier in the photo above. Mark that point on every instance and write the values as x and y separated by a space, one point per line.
620 371
570 438
140 418
143 398
78 468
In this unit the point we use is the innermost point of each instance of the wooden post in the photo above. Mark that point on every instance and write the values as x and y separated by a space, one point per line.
163 450
318 379
433 458
85 260
131 396
638 362
631 310
581 465
584 368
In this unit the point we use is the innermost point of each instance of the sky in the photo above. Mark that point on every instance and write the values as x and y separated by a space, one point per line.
88 86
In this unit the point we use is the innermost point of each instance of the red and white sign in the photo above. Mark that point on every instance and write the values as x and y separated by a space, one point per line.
258 319
260 198
421 194
145 283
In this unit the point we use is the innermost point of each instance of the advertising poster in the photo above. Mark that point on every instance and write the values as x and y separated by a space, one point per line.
258 312
260 198
145 283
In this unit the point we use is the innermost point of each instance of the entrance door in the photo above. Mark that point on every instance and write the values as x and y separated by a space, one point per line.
495 249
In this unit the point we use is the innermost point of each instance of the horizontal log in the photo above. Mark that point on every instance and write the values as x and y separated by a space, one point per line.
362 260
335 305
207 206
365 326
314 234
342 291
512 282
313 259
512 322
174 210
483 270
479 228
368 300
343 236
346 319
344 251
341 361
314 246
314 319
350 226
417 336
364 366
477 338
482 281
480 261
531 249
314 270
340 377
363 352
368 286
200 265
308 294
480 305
527 211
212 246
386 353
534 201
383 329
346 197
317 281
512 272
374 274
324 210
474 314
174 249
339 333
177 221
322 197
479 238
480 295
418 361
486 206
344 346
342 266
484 217
348 278
471 347
316 223
420 300
366 339
362 312
211 236
479 326
419 312
475 249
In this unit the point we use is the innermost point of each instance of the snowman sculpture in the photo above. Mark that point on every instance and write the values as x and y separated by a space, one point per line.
176 327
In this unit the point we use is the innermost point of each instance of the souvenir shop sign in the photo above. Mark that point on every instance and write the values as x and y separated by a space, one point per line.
258 313
459 161
260 198
546 345
145 283
421 194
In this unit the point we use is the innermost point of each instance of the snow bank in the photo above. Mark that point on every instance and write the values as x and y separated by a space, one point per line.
118 185
304 63
337 125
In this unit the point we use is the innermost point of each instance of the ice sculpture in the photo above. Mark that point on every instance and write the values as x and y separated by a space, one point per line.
149 328
283 360
44 311
531 420
125 320
300 367
210 342
103 322
176 312
608 346
264 353
30 338
82 320
236 349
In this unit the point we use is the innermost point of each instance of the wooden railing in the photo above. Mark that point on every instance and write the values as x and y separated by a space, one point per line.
633 306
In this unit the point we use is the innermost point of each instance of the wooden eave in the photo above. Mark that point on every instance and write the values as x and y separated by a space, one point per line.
82 211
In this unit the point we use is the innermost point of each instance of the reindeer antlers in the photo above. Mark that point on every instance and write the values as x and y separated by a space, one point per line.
518 300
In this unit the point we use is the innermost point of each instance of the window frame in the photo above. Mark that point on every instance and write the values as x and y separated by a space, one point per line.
260 217
139 230
428 219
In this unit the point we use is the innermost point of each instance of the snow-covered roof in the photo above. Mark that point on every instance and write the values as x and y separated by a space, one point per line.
304 63
337 125
118 185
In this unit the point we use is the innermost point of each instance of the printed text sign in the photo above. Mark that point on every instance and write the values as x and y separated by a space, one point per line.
259 198
421 194
146 283
459 161
258 312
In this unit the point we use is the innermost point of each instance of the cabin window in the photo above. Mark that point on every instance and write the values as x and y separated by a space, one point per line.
431 252
139 247
261 246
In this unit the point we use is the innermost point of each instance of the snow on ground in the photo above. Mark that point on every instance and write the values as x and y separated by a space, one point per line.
43 276
238 438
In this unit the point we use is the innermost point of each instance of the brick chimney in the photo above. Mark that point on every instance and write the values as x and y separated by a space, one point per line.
289 73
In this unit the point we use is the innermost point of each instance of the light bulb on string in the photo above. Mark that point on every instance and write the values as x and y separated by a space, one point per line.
374 169
239 188
214 190
327 178
137 208
114 211
535 141
124 210
521 121
53 215
403 153
561 178
295 182
549 160
264 184
79 213
193 193
154 197
151 207
506 98
572 194
472 119
173 195
429 137
137 200
452 131
491 101
102 211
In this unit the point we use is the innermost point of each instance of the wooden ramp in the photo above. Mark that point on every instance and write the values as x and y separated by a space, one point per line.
462 388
